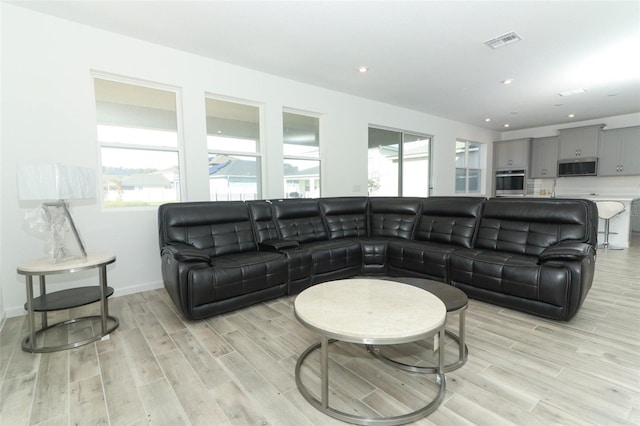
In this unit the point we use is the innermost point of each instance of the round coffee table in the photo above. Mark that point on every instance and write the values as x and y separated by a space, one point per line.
370 312
456 302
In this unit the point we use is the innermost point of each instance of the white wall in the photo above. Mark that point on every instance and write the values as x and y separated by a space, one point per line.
48 115
2 311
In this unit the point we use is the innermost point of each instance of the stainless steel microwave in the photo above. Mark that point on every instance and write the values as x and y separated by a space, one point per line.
578 167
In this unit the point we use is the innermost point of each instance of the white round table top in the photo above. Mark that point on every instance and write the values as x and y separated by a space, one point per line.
45 266
370 311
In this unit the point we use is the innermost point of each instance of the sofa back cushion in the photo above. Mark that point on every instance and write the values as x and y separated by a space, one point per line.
345 216
263 223
393 216
450 220
528 226
221 227
299 220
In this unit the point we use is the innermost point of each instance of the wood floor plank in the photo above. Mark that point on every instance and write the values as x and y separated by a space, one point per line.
143 364
162 405
51 394
209 338
87 403
190 391
282 379
276 408
18 393
83 363
238 407
203 363
123 402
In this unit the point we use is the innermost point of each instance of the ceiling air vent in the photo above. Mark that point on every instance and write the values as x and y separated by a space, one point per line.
503 40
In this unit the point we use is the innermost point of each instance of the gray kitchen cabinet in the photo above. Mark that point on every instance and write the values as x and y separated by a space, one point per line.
579 142
619 152
544 157
511 154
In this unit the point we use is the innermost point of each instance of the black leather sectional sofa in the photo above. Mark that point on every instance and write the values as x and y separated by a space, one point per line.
534 255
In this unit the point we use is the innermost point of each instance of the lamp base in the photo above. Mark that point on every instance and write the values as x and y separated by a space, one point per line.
59 216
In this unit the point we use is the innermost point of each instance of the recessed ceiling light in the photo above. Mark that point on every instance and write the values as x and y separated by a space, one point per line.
558 105
572 92
486 120
219 131
571 115
507 81
514 112
506 125
613 94
363 69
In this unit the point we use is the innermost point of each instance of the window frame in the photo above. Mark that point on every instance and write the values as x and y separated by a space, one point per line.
401 159
317 158
258 154
466 168
178 149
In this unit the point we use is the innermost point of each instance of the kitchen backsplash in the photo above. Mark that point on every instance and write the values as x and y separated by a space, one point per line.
585 185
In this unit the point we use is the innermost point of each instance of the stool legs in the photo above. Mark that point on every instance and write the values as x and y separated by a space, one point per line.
605 245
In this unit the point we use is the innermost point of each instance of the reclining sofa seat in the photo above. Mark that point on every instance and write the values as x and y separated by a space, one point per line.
534 255
444 224
210 259
317 257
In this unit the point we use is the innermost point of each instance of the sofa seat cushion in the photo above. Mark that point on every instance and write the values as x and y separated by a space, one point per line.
235 275
510 274
333 255
423 257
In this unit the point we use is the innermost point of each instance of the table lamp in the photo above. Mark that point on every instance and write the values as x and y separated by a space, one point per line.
54 185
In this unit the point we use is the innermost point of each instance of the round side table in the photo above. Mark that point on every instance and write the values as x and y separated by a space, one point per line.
66 299
456 302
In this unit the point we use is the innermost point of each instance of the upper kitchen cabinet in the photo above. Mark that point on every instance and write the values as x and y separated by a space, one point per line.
579 142
544 157
619 153
512 154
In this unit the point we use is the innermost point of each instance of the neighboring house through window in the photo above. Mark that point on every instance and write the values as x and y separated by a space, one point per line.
233 142
399 163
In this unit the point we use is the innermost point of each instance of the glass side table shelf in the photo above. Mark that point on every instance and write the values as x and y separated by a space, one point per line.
66 299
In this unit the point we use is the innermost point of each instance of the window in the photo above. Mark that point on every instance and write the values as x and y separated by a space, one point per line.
399 163
138 136
468 167
301 150
233 142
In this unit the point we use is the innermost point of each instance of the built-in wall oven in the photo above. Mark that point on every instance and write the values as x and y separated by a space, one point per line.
511 183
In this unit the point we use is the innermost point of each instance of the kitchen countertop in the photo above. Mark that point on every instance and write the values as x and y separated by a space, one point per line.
594 197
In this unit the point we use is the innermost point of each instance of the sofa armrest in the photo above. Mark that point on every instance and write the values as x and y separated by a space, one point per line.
566 251
185 253
278 245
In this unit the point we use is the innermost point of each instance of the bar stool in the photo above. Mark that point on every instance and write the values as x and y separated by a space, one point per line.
607 210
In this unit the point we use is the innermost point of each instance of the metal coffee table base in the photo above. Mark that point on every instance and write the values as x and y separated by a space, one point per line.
323 403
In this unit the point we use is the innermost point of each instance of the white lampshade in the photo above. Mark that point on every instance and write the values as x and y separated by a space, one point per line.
55 182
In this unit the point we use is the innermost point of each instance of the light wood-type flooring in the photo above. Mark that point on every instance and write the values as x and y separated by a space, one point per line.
238 368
